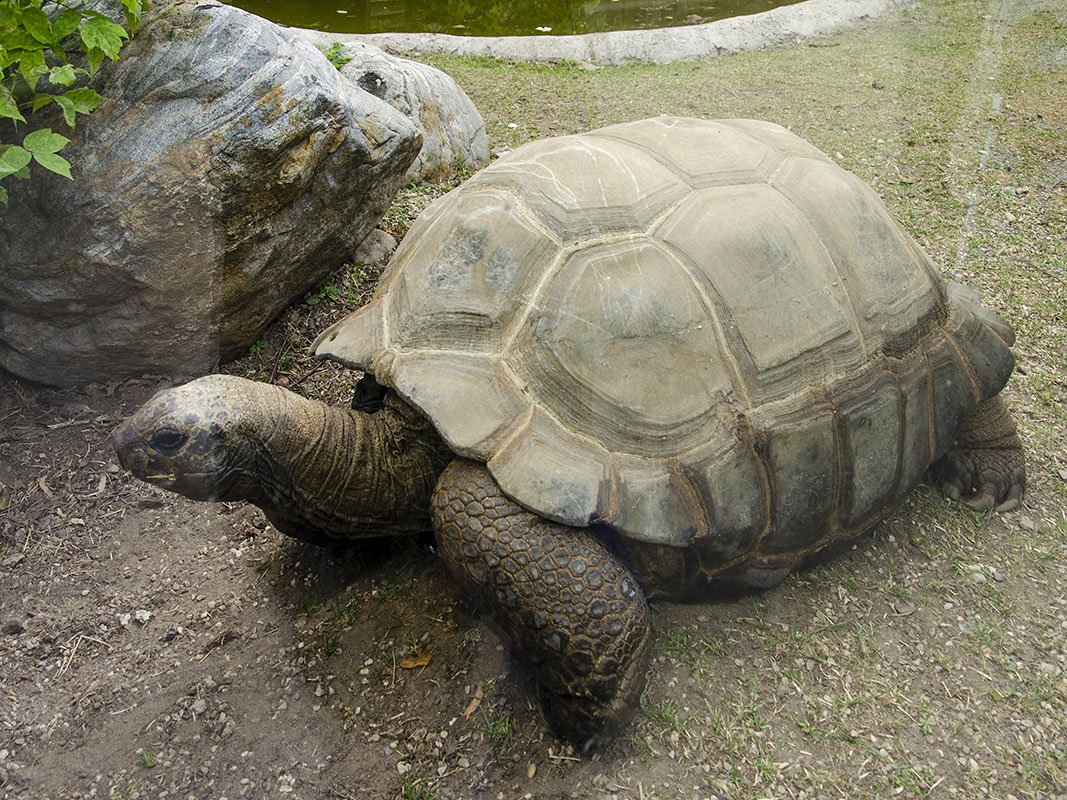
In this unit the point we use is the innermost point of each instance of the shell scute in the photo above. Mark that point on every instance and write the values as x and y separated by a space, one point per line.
798 444
917 446
868 412
656 498
701 153
463 292
890 282
621 321
561 475
729 478
783 307
581 188
447 390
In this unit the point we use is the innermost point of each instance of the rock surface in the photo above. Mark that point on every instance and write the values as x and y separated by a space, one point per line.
229 170
453 133
782 25
375 249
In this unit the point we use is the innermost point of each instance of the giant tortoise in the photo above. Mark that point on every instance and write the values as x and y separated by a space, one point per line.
644 361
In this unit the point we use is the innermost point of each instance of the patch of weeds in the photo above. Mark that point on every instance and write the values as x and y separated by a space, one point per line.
308 606
337 54
664 715
927 723
344 612
416 788
147 755
327 292
356 279
331 646
679 642
913 782
816 729
697 651
409 203
261 566
388 592
986 633
257 347
500 728
1042 770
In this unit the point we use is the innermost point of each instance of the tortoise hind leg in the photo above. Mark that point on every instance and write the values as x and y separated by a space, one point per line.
985 466
570 607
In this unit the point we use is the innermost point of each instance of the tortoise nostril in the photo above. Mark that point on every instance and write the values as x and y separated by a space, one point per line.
122 438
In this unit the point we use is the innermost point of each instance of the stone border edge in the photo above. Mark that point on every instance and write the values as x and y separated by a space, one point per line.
782 25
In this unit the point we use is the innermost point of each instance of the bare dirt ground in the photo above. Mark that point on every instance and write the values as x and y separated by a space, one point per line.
155 647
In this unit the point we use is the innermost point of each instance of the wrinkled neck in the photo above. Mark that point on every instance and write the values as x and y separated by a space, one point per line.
327 473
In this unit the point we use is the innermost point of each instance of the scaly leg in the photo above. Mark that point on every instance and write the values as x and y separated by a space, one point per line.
570 607
985 466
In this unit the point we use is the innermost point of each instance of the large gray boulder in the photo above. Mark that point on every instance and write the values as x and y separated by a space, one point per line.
453 132
230 169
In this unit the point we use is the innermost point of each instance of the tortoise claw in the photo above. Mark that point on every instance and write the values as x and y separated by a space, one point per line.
951 489
1014 498
983 500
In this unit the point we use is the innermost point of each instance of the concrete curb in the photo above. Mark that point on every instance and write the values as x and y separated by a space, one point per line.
778 26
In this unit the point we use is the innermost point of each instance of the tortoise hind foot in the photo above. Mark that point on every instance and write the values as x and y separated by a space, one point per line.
573 611
590 714
985 468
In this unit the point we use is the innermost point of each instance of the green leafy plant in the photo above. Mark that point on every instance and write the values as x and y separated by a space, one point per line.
337 54
147 756
327 292
36 71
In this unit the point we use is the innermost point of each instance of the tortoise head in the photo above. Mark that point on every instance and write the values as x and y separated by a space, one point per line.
188 439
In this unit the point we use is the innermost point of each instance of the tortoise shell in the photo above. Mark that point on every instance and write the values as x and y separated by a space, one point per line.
701 333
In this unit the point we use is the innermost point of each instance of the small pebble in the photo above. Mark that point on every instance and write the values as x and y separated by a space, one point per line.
14 627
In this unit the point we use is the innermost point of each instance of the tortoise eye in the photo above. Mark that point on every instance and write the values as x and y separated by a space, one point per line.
168 440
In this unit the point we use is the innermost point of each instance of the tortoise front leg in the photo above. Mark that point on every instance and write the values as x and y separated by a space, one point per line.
570 607
985 467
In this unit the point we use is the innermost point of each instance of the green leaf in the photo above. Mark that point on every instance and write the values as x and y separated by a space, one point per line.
134 9
78 101
66 23
3 196
44 142
54 163
32 65
8 107
96 58
98 32
62 76
62 56
37 23
43 146
40 100
13 159
21 39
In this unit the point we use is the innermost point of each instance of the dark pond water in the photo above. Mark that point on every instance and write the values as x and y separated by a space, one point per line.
497 17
